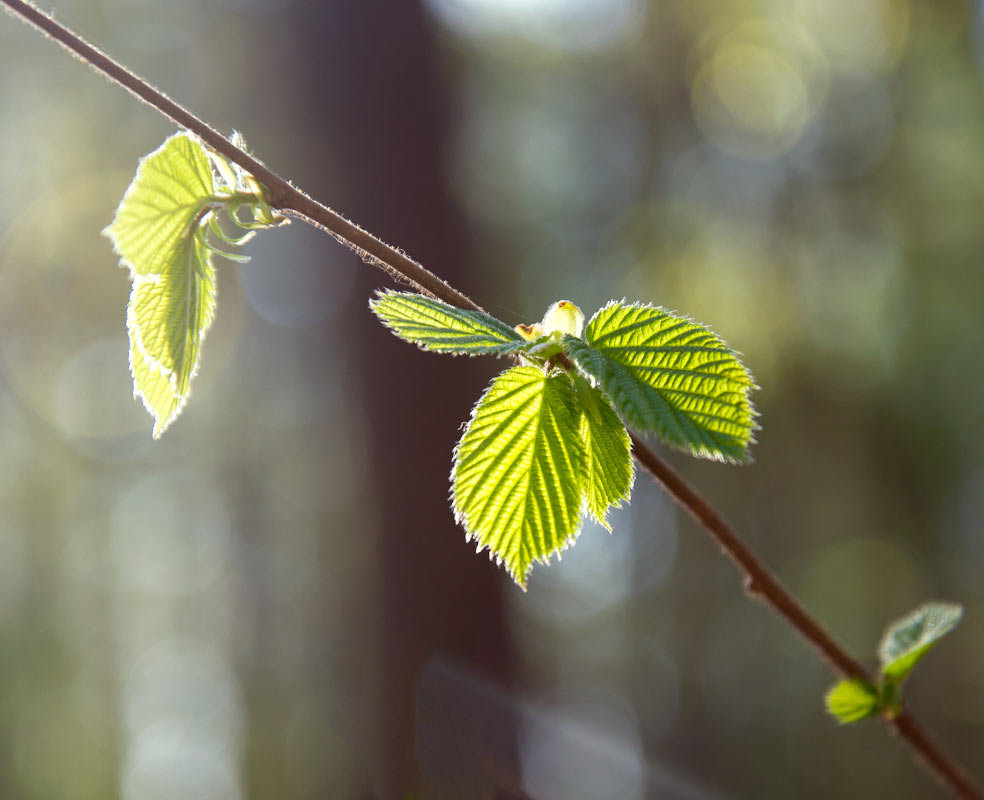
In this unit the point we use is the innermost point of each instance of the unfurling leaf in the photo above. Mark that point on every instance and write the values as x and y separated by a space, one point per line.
443 328
852 700
907 640
669 376
158 235
167 318
518 470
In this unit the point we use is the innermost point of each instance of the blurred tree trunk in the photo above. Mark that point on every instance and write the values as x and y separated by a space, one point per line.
368 81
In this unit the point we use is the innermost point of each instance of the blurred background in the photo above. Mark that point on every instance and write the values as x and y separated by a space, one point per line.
273 601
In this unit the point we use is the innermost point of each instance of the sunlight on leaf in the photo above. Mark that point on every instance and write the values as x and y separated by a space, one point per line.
852 700
669 376
610 470
443 328
518 470
158 235
909 639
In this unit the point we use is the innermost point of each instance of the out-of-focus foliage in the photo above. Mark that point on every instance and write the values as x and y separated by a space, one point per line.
852 701
909 639
804 177
903 646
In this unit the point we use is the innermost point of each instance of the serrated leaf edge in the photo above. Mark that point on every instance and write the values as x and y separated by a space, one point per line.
513 345
135 182
545 558
749 386
137 279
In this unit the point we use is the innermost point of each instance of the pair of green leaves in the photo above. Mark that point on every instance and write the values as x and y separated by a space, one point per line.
545 444
904 644
162 233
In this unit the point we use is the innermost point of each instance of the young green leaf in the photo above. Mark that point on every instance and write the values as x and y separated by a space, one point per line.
609 467
670 376
167 319
517 479
852 700
907 640
158 235
172 186
440 327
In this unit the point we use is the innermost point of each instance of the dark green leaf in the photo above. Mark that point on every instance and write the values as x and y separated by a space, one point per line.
669 376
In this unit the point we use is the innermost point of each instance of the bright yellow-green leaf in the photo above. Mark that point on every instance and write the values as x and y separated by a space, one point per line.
670 376
518 475
159 235
167 320
610 470
852 700
172 186
442 328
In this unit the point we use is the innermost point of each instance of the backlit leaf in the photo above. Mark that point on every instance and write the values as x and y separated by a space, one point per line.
170 189
443 328
669 376
609 467
517 479
159 235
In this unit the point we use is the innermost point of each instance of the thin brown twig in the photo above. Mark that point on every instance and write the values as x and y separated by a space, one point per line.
760 582
763 585
283 195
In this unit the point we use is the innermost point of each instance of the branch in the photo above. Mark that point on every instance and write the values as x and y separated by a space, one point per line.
283 195
759 581
763 585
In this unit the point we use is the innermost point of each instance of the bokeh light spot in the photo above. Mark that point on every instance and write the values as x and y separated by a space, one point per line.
756 89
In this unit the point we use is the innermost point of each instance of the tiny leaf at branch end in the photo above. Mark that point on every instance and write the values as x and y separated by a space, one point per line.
909 639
